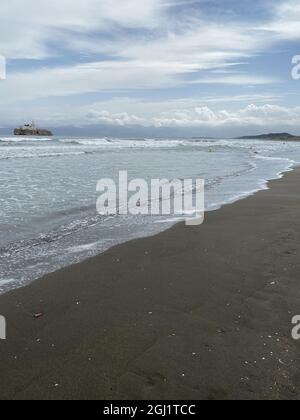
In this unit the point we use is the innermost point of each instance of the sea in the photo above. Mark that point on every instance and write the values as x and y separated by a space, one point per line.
48 217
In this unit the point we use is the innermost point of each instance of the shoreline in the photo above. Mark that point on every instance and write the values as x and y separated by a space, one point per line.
190 313
263 186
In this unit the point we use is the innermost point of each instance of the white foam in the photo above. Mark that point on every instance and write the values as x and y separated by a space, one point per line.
132 143
82 248
234 170
24 139
6 281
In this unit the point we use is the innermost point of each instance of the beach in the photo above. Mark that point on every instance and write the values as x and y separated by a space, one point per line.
48 215
191 313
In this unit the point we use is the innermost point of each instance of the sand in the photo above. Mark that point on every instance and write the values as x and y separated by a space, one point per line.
192 313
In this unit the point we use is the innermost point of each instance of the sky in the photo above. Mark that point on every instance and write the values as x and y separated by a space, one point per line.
151 67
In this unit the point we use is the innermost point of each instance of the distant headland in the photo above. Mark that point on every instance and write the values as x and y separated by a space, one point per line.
273 136
31 130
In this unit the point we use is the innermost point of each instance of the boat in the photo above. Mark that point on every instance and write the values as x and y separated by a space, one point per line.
31 130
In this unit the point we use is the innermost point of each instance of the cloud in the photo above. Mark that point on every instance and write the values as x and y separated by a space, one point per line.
285 24
121 119
28 27
252 115
210 111
204 116
136 45
236 79
139 45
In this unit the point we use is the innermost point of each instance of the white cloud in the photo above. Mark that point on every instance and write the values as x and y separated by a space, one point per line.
121 119
207 112
166 51
149 48
236 79
203 116
285 24
27 27
252 115
80 79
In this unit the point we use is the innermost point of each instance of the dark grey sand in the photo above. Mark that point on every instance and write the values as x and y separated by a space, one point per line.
193 313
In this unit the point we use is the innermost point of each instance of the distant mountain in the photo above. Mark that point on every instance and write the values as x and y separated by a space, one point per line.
273 136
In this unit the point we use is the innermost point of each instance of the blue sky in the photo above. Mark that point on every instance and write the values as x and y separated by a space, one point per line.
186 67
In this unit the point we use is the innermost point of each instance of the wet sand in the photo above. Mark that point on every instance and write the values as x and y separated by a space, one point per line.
192 313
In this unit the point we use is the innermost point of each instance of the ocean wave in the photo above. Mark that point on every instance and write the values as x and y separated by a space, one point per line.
132 143
4 156
53 236
91 145
25 148
25 139
233 169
